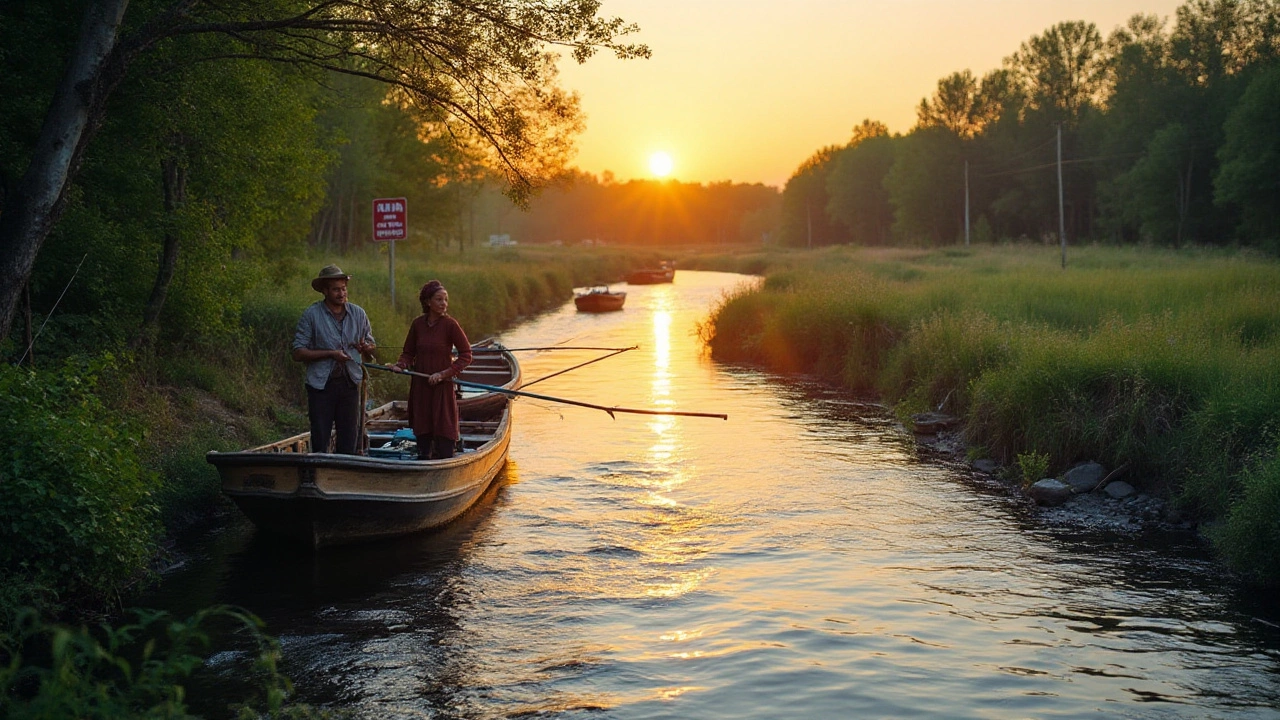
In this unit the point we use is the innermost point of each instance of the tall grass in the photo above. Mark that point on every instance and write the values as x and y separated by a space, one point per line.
1165 361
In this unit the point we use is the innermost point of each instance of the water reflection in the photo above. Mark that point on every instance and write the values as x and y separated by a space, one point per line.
799 560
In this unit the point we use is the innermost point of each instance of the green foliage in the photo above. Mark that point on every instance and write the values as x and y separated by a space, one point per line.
857 198
1034 467
1250 156
921 185
1250 535
78 515
132 670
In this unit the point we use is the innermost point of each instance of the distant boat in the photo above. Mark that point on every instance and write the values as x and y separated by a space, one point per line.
322 499
599 299
664 273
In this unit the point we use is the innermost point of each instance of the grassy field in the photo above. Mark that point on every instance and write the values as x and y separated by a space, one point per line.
1164 362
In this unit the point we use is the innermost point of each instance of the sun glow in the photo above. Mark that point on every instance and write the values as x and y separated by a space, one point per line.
661 164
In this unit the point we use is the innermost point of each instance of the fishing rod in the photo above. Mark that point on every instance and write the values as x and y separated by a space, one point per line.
575 367
554 347
518 393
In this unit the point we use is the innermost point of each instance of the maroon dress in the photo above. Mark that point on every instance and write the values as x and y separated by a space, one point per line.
433 409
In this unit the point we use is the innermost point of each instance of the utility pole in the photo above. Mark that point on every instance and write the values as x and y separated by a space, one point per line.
1062 222
966 203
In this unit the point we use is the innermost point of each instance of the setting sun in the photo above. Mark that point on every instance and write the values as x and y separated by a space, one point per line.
660 164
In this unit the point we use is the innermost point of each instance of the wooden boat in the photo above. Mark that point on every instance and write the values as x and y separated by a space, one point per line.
322 499
599 299
491 365
664 273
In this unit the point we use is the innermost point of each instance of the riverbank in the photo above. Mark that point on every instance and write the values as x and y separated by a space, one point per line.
110 447
1162 362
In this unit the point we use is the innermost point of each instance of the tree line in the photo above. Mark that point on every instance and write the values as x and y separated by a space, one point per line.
1170 135
582 207
150 148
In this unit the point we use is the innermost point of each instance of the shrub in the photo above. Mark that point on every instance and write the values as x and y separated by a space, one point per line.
137 669
78 516
1250 536
1034 466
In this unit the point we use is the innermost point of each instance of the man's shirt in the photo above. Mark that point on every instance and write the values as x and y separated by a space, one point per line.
319 330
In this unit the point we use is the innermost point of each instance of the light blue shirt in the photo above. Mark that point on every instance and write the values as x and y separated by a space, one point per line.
319 330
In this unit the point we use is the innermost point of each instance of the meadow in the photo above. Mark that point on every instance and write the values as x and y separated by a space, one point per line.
1163 362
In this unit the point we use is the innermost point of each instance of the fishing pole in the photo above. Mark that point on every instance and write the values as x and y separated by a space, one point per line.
554 347
575 367
518 393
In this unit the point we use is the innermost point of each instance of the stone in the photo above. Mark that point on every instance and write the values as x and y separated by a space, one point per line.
928 423
986 465
1084 477
1119 489
1050 492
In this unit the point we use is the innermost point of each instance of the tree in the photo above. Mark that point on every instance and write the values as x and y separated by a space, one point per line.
926 187
1249 177
805 221
954 106
857 197
1063 69
482 69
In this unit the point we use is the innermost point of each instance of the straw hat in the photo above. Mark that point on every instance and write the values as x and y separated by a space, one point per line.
327 273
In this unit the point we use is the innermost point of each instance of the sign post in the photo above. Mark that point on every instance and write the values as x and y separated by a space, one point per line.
391 223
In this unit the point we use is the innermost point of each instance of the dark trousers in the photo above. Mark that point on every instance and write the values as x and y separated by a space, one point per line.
337 405
435 447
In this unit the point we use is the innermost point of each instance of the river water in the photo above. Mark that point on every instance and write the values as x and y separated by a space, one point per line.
798 560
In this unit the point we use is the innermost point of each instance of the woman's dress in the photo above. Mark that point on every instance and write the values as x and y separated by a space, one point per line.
428 349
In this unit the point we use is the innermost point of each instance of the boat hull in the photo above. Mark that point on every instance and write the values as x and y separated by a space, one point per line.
651 277
320 499
600 302
326 499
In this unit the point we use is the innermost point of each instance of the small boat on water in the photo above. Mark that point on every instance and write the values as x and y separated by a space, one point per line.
322 499
599 299
664 273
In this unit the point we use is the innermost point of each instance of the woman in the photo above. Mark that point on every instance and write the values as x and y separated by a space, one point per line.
428 349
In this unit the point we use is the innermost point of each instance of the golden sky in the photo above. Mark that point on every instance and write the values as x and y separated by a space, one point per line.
746 90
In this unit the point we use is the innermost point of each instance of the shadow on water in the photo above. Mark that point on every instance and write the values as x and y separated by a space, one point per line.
343 615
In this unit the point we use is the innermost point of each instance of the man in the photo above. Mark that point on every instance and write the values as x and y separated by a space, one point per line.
327 331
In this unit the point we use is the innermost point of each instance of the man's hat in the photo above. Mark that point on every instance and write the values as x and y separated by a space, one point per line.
327 273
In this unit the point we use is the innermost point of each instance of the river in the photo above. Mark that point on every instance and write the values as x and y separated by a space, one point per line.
799 560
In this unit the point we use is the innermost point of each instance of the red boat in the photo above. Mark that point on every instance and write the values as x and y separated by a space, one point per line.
599 299
664 273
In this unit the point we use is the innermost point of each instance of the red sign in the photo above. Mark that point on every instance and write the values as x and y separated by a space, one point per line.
390 219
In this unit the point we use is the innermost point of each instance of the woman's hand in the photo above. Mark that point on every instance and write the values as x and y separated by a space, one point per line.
436 378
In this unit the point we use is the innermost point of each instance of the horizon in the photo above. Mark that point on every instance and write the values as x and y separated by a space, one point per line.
702 98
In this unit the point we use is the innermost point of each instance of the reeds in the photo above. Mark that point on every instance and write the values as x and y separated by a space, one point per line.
1167 361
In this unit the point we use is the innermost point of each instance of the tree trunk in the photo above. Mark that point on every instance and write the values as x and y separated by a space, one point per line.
175 195
33 208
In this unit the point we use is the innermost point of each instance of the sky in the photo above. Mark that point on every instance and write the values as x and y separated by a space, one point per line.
746 90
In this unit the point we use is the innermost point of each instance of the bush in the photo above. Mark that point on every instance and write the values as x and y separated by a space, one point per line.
1250 537
1034 466
78 516
137 669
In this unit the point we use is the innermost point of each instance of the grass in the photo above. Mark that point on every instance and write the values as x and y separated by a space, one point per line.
1166 360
